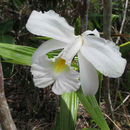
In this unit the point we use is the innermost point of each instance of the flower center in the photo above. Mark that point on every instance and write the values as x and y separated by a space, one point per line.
60 66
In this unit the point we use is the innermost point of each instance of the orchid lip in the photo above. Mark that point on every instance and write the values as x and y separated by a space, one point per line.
60 66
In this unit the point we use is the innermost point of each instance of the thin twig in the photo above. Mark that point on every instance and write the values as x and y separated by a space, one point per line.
112 121
117 88
127 97
109 99
123 21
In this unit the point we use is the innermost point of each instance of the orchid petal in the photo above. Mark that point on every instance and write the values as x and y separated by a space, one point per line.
66 82
88 76
47 47
104 55
71 50
89 32
42 72
50 24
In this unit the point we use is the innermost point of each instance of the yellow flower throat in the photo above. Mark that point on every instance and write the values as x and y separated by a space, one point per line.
60 66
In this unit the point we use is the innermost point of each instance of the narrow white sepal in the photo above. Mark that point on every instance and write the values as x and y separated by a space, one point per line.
88 76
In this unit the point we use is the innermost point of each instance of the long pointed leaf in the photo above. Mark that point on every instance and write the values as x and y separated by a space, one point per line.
67 117
17 53
92 107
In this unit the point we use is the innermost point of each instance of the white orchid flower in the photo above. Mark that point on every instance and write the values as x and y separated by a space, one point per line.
94 53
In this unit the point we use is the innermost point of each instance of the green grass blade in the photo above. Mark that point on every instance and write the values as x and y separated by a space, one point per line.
98 94
16 53
42 38
92 107
67 117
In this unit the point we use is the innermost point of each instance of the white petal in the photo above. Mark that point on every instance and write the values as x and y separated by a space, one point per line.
94 32
71 50
88 76
66 82
50 24
47 47
42 72
104 55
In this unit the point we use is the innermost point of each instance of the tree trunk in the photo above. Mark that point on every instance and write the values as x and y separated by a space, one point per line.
6 120
83 7
107 17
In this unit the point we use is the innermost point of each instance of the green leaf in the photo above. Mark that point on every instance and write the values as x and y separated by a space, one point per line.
41 38
125 49
92 107
114 17
98 94
16 53
67 117
7 68
77 26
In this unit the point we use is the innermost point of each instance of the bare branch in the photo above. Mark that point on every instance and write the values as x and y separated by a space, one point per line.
127 97
83 7
6 120
107 14
123 21
112 121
